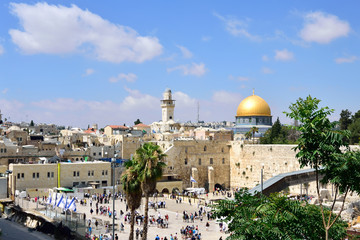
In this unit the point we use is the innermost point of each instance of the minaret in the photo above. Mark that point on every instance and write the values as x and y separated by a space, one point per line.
167 106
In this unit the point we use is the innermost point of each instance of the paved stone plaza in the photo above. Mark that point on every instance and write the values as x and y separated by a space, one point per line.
172 209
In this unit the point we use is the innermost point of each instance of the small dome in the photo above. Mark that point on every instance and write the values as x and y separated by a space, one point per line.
253 106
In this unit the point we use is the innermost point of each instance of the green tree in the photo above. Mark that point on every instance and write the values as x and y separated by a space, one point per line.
275 130
149 164
319 147
132 188
32 123
248 135
254 130
356 116
345 119
355 131
274 217
137 122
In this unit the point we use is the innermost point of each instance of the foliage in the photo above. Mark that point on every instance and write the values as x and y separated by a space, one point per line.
274 217
254 130
345 119
137 122
279 134
354 128
32 123
319 147
132 188
149 165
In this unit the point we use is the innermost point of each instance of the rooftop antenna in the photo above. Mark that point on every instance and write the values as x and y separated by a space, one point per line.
198 112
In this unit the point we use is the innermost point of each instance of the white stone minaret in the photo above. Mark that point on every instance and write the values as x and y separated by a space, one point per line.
167 106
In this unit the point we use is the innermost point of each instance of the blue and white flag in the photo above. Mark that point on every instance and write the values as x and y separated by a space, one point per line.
72 205
49 199
55 198
61 203
66 202
192 179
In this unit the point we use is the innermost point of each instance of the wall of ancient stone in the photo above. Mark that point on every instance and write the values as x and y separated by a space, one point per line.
183 155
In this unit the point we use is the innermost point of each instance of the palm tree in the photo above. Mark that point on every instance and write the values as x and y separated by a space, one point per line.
254 130
132 188
248 134
150 168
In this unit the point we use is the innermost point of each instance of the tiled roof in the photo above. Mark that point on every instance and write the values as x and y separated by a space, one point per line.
118 127
141 125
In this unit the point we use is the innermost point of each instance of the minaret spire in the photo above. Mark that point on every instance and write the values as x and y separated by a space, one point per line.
253 91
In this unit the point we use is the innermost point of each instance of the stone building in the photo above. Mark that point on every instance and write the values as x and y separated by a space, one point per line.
63 174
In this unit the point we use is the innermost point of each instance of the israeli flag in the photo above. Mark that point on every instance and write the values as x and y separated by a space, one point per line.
61 203
66 202
55 198
192 179
72 205
49 199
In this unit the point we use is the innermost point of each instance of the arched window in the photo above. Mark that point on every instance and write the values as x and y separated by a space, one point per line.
204 148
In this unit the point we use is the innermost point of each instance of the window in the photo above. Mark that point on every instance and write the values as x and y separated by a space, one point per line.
37 175
88 173
204 148
92 173
1 150
4 150
186 150
18 176
33 175
211 160
94 154
74 173
78 173
199 161
186 161
23 175
48 174
103 172
223 161
222 149
52 174
106 172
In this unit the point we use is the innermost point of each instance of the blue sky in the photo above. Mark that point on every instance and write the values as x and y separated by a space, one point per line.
108 62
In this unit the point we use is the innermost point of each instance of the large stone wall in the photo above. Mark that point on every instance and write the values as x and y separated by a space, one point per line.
246 161
182 156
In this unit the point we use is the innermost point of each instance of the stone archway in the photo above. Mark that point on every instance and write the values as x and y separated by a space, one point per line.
165 191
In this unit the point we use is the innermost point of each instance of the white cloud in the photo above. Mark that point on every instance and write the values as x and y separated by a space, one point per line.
267 70
58 29
283 55
185 52
1 49
89 72
226 97
130 77
237 27
193 69
322 28
346 59
265 58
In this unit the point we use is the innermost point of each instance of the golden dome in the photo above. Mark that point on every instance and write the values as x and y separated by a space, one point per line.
253 106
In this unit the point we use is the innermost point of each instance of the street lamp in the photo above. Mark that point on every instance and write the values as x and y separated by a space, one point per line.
113 163
262 178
